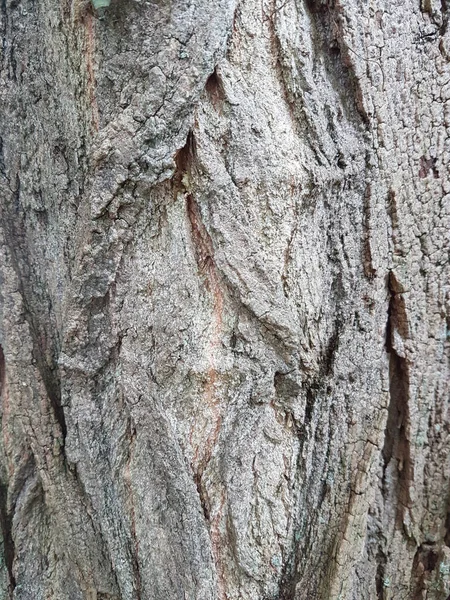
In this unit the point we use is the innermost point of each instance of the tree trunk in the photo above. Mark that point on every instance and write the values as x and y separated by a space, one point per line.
224 300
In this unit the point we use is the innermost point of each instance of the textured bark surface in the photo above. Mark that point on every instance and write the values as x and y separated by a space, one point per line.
224 301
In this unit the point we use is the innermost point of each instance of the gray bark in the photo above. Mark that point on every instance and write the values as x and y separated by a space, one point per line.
224 303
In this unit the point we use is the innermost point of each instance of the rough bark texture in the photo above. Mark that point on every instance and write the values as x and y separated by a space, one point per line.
224 300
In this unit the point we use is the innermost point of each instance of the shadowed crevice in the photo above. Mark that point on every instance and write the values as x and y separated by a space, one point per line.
329 40
397 468
185 159
447 529
8 542
396 440
425 562
381 560
214 89
5 516
38 310
2 370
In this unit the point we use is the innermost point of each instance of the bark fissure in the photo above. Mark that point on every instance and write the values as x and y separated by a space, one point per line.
134 550
328 19
426 559
2 371
396 441
5 514
381 558
204 255
37 306
214 89
8 542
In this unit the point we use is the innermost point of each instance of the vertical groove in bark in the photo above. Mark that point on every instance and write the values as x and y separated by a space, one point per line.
396 441
328 18
2 371
8 542
204 254
425 562
134 537
5 515
37 304
397 470
215 91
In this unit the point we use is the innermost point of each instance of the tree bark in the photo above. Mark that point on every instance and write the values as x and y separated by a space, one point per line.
224 303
